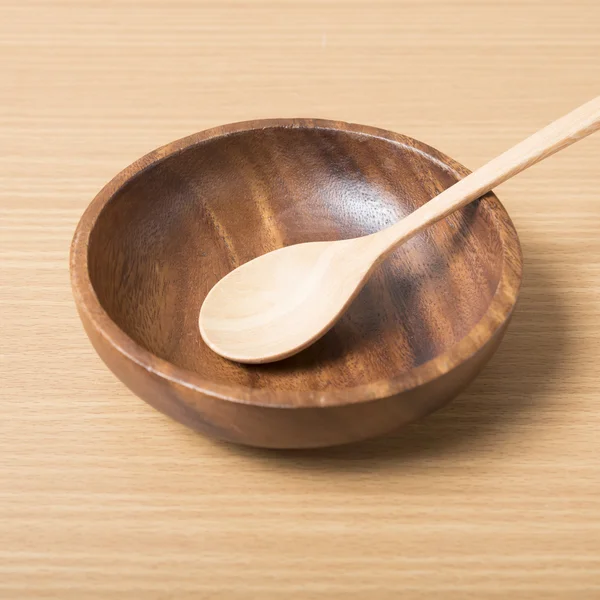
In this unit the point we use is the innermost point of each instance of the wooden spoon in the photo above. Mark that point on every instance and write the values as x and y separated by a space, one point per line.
279 303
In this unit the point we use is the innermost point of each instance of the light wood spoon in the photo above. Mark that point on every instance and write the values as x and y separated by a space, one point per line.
280 303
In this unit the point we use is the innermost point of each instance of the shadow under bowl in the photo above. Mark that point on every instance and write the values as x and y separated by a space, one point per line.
166 229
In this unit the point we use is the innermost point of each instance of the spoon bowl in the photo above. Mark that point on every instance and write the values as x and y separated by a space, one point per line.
280 307
157 238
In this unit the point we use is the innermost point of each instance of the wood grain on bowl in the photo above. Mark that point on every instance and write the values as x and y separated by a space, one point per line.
165 230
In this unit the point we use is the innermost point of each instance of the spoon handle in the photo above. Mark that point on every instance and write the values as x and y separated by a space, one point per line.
558 135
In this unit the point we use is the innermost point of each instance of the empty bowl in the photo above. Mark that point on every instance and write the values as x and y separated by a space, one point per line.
166 229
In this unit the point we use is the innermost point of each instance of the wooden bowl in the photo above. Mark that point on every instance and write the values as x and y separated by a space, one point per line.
167 228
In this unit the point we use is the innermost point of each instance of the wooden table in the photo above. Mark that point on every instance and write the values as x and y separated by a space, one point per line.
496 496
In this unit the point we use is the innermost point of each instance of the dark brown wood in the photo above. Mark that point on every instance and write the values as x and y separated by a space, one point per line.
166 229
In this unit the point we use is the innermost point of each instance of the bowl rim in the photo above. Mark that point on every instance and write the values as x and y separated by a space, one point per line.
498 311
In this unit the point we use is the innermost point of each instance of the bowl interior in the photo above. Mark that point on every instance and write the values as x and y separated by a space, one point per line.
167 236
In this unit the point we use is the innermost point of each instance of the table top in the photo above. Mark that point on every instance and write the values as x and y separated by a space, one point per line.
102 496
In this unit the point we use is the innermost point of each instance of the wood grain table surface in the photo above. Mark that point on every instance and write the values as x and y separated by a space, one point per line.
496 496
